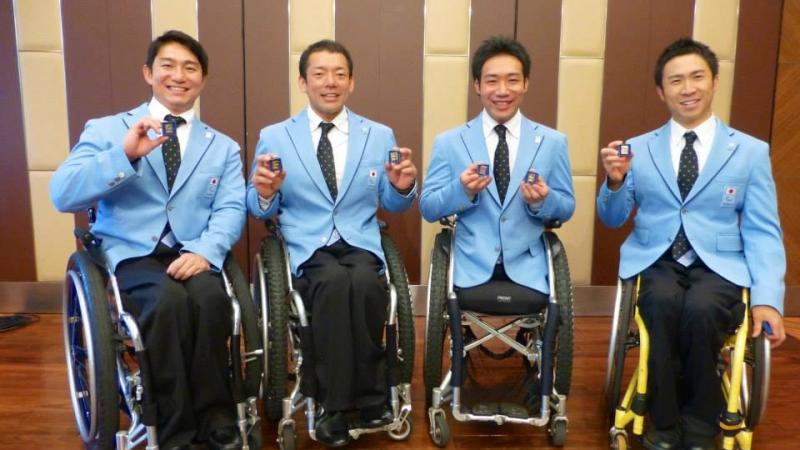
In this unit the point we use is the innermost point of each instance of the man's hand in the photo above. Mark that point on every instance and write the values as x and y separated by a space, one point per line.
402 174
535 193
267 182
763 313
187 265
472 182
137 143
616 166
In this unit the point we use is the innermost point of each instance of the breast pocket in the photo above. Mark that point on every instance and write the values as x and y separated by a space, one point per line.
207 181
730 191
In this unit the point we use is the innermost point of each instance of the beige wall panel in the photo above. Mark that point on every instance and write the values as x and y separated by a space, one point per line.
174 15
297 99
583 28
445 79
52 231
578 233
447 27
722 99
716 24
580 88
44 105
310 21
38 25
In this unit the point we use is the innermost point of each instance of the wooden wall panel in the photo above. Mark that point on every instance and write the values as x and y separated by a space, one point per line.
539 30
489 18
385 39
16 229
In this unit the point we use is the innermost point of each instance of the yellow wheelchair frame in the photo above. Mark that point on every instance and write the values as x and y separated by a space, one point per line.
742 411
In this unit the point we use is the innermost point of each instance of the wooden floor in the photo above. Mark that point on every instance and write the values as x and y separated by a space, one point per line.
35 411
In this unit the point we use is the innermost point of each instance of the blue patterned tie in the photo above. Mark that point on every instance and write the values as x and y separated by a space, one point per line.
171 149
687 175
502 174
325 158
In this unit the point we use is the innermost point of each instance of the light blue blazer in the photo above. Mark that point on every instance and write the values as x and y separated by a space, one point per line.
206 209
307 213
730 216
486 227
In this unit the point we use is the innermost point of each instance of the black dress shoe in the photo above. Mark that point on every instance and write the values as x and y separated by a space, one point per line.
225 438
698 442
669 439
331 429
374 416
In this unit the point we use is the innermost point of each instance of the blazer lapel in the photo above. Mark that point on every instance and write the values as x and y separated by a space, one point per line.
200 138
300 135
358 132
474 141
722 149
155 158
660 153
529 144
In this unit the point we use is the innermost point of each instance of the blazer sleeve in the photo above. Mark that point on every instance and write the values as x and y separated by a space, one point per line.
762 236
443 194
391 199
253 203
227 213
614 207
560 202
96 166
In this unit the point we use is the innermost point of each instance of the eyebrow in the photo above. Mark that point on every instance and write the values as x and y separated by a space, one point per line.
173 60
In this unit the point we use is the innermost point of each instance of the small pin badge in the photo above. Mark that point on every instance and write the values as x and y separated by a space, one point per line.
213 181
208 135
364 130
537 139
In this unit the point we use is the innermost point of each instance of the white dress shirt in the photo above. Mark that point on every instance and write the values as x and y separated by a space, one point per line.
158 111
513 126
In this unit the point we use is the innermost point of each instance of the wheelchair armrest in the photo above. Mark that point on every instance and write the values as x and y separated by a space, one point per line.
91 243
447 221
552 224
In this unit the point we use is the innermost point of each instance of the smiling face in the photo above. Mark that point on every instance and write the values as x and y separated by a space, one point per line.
176 77
327 83
501 87
688 89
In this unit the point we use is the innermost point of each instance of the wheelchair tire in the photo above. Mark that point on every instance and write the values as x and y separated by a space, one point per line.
250 329
565 339
617 350
405 313
91 358
759 379
275 330
435 325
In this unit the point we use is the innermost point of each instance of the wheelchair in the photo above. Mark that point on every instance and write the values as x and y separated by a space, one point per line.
290 381
107 362
743 366
544 339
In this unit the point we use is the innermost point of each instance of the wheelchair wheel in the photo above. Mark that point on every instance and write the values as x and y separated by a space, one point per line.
250 330
91 358
558 432
440 431
405 313
565 338
757 367
435 324
271 291
618 346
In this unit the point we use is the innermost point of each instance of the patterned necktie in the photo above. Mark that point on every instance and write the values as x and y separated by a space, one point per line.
325 158
502 174
171 149
687 175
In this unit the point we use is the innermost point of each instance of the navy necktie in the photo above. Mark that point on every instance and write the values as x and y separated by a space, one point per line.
687 175
502 173
325 158
171 149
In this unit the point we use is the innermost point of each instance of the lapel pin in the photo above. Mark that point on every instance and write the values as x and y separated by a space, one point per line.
364 130
208 135
537 139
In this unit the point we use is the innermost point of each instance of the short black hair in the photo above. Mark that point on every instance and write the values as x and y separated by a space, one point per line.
178 37
325 45
500 45
685 46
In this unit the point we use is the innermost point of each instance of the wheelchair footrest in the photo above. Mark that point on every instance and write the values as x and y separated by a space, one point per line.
513 410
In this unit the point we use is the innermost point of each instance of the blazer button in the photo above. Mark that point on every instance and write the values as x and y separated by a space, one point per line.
497 249
503 219
154 238
684 210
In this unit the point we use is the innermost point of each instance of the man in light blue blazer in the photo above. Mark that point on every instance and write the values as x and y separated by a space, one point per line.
501 216
168 211
335 174
706 226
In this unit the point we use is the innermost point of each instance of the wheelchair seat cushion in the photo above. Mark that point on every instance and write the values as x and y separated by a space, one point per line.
501 297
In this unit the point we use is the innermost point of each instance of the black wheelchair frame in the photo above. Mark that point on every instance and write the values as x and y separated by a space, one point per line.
289 353
548 343
107 362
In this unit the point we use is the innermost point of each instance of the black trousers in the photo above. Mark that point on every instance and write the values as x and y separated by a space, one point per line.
185 326
347 297
688 312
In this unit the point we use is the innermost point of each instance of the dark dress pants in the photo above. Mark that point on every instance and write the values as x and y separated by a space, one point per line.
185 326
347 296
688 312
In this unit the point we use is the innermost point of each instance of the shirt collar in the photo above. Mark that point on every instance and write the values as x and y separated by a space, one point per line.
704 131
158 111
512 125
340 121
